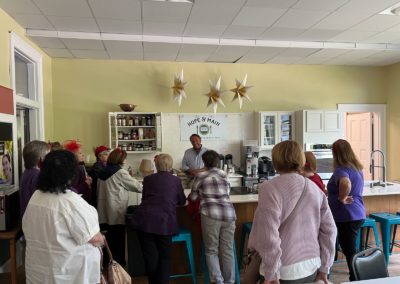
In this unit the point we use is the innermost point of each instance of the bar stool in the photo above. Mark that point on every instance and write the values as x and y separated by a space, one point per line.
246 229
205 268
368 224
386 220
186 236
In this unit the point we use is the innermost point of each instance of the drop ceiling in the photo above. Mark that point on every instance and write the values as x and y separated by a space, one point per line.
333 32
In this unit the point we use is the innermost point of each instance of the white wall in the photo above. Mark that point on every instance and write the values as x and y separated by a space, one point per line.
241 126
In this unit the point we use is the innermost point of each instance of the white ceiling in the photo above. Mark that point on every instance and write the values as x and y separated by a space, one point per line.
345 32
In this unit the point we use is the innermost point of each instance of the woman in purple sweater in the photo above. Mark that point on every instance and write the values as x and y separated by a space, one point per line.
302 249
345 191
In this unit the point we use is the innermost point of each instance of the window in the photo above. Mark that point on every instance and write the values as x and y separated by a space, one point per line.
26 81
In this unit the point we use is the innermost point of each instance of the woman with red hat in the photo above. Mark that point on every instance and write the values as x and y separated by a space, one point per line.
83 182
101 153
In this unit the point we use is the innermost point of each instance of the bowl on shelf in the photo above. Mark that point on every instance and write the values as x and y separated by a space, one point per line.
127 107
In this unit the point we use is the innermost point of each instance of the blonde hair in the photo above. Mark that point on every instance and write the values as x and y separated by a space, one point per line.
287 157
163 163
344 156
310 164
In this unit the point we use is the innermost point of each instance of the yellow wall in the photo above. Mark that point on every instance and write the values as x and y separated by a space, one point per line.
85 90
8 24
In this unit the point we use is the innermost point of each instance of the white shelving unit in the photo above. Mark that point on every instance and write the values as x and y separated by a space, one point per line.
135 132
275 127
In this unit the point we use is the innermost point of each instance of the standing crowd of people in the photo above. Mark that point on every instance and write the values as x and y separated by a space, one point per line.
294 232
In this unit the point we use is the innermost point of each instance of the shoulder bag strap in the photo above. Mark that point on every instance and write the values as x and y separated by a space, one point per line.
290 217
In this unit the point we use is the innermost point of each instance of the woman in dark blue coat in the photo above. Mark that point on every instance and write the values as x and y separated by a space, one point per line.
156 221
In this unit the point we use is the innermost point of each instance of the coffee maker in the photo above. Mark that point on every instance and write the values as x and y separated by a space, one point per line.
229 163
265 167
250 157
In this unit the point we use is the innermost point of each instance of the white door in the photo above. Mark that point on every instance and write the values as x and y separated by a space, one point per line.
359 135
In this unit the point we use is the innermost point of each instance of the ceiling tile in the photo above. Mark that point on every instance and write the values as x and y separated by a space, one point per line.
352 36
58 52
73 43
160 51
92 54
281 34
298 52
261 54
33 21
317 35
271 3
366 7
300 19
20 6
243 32
116 9
228 54
383 37
48 42
216 14
377 23
74 24
338 21
124 50
318 5
197 53
204 30
328 53
312 60
119 26
167 29
283 60
166 12
257 17
78 8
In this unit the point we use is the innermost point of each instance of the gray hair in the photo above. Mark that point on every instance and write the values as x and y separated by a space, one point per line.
33 152
164 163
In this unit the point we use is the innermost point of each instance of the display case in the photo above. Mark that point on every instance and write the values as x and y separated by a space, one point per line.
135 132
275 127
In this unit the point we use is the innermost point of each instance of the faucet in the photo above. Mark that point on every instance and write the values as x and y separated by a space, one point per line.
383 167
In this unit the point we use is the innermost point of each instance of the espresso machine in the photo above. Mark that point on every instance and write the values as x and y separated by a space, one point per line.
250 151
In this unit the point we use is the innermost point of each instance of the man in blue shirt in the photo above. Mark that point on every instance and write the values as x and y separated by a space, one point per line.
192 162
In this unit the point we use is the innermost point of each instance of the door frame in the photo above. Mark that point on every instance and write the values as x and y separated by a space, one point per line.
376 108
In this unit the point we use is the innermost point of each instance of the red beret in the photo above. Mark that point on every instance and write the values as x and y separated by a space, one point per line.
100 149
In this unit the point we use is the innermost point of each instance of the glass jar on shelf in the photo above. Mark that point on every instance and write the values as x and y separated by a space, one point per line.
130 147
136 121
124 147
120 135
130 121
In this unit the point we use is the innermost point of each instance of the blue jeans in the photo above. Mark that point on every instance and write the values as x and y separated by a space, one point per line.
218 240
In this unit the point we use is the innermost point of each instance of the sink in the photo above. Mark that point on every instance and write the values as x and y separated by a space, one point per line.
241 190
374 183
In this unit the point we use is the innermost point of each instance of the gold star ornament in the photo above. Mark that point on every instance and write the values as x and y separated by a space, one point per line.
179 88
215 94
241 91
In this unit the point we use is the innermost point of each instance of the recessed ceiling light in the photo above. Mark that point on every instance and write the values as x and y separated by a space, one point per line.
393 10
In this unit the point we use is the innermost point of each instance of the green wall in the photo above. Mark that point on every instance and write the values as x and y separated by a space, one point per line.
84 91
7 24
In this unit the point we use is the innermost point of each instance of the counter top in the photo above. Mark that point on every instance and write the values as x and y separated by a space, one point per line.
391 188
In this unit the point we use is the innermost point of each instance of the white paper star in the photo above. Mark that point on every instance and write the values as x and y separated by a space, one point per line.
215 94
241 91
179 88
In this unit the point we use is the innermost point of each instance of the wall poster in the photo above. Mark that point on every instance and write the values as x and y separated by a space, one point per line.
209 127
6 165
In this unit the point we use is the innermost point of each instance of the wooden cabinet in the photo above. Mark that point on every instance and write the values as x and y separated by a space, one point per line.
318 126
135 132
274 127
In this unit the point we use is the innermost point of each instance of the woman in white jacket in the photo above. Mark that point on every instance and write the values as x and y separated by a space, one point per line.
113 185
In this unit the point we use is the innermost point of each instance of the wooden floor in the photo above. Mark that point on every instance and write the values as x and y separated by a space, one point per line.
339 273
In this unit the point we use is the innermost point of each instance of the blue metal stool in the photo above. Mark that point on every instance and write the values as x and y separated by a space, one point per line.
386 220
246 229
368 224
205 268
186 236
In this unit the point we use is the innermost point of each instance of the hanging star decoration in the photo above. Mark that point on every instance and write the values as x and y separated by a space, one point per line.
241 91
179 88
215 94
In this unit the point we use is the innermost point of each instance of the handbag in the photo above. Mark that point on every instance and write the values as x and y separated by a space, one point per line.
114 272
252 260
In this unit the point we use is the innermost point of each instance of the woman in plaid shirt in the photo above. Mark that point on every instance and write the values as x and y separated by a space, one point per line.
217 218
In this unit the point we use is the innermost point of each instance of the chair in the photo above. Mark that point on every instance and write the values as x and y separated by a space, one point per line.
369 264
363 244
185 236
